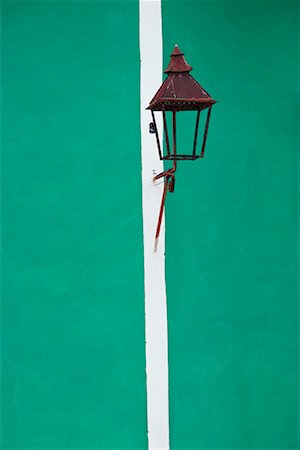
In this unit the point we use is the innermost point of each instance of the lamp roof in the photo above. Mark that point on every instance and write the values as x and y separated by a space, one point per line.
180 90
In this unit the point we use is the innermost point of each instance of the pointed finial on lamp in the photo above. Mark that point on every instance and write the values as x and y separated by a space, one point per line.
178 62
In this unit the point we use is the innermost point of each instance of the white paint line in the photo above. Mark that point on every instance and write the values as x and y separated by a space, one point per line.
154 262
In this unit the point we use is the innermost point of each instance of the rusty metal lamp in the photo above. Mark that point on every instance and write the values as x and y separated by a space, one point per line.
179 92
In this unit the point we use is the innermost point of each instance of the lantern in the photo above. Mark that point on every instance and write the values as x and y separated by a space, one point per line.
179 93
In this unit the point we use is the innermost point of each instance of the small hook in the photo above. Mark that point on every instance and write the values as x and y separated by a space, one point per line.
152 128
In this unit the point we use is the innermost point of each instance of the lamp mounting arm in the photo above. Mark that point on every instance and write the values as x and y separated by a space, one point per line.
169 186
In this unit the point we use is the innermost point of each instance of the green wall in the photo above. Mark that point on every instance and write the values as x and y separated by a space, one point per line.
73 356
73 305
232 232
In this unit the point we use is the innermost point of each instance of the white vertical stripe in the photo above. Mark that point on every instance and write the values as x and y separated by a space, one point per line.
154 262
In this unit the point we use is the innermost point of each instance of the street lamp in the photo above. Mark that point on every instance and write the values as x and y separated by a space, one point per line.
179 92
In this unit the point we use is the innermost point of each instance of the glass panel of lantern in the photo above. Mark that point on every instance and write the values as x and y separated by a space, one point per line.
182 132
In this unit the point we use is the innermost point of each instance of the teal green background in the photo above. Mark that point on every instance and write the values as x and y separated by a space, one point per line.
232 261
73 297
73 356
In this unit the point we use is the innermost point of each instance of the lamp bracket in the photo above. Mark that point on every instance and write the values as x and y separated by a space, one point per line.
169 186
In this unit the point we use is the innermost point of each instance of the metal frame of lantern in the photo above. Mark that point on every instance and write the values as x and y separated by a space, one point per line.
180 108
179 92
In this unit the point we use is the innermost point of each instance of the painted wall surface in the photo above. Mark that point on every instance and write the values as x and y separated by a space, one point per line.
231 240
73 354
73 303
